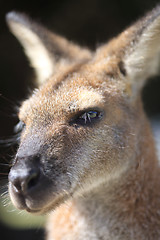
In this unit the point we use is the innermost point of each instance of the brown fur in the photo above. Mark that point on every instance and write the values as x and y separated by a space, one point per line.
102 179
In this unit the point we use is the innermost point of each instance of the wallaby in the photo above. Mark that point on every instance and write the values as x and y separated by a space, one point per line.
87 153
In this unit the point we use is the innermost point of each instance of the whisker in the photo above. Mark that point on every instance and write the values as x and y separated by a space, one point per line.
4 174
7 100
10 141
3 178
4 193
6 114
5 164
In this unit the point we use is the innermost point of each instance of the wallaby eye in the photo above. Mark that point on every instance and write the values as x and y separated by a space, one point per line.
88 117
19 127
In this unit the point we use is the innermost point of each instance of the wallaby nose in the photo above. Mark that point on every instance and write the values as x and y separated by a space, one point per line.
24 180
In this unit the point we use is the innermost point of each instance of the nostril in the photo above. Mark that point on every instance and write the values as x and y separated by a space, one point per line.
32 179
24 180
17 185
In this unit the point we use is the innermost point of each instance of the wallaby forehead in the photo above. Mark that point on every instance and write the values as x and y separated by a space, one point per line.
68 98
77 88
84 82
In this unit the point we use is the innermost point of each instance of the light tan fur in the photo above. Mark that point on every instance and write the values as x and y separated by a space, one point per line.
100 178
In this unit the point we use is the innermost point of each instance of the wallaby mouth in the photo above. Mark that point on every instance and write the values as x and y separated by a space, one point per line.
22 201
30 189
27 185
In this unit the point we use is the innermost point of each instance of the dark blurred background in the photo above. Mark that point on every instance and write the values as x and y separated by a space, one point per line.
86 22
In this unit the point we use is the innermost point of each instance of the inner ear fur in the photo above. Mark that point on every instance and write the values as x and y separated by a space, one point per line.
142 54
47 51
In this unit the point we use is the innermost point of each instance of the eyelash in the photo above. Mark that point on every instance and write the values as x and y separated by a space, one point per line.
85 118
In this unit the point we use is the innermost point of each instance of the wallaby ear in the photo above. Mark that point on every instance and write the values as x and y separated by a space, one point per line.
142 55
46 51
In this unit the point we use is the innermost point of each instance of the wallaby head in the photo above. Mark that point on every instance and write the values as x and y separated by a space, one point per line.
84 126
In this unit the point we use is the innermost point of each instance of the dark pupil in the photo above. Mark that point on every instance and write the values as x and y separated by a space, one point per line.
88 116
